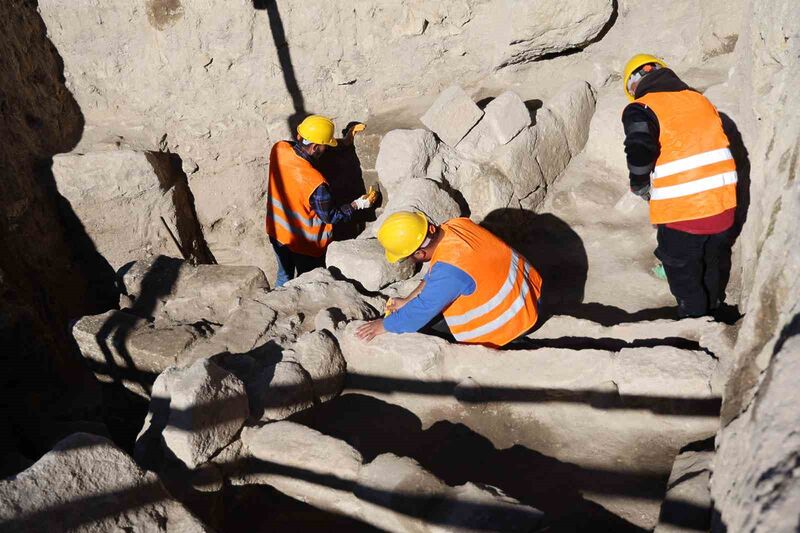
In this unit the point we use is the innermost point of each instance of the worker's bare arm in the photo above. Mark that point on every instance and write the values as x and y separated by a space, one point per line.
370 330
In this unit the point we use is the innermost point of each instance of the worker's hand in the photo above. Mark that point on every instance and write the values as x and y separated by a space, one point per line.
366 200
642 192
370 330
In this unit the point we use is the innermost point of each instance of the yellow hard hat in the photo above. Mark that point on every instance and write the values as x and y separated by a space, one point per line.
402 233
317 129
634 64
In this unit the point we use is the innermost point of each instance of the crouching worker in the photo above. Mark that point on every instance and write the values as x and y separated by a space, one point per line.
487 292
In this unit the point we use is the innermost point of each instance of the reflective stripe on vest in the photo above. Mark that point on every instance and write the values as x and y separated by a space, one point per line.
695 174
313 222
290 219
503 304
509 314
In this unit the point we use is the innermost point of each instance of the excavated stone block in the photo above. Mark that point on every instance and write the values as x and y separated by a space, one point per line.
279 391
52 494
120 196
422 195
121 346
687 504
397 493
663 370
574 105
507 115
319 354
177 291
479 143
302 463
452 115
207 407
243 330
517 161
552 148
472 507
364 261
404 155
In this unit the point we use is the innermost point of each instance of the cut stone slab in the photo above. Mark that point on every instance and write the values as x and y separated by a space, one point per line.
480 142
507 115
364 261
452 115
207 407
552 147
319 354
663 371
279 391
301 463
120 346
120 196
404 155
687 504
176 291
86 484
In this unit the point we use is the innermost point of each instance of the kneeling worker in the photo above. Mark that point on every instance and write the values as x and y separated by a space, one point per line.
300 209
487 292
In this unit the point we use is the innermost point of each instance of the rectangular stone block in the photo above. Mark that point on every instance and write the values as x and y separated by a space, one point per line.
507 115
452 115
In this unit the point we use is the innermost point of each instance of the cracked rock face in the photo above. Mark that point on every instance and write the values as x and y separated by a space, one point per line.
86 484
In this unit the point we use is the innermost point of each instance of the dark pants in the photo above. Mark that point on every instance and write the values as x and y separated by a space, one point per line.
291 264
692 265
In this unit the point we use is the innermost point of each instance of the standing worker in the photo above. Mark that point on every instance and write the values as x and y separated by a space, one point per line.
487 292
679 161
300 210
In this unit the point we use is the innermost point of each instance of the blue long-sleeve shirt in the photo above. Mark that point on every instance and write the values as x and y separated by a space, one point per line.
443 284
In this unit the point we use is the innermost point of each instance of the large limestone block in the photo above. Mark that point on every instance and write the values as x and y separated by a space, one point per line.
517 161
319 354
364 261
120 196
302 463
299 301
425 196
535 29
121 346
507 115
663 371
574 105
279 391
86 484
552 147
397 493
606 136
687 504
452 115
177 291
404 155
207 407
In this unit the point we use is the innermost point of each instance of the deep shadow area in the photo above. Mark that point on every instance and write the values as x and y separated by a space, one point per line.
50 271
457 455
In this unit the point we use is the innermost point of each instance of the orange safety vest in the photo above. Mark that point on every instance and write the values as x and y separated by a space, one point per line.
695 175
290 218
507 288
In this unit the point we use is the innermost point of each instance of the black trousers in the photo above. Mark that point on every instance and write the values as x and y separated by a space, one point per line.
291 264
692 264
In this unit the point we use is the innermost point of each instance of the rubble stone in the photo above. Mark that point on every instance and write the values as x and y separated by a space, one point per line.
574 105
279 391
86 484
207 407
319 354
425 196
452 115
404 155
687 504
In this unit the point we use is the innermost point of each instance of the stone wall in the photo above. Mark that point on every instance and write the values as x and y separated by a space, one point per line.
755 481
